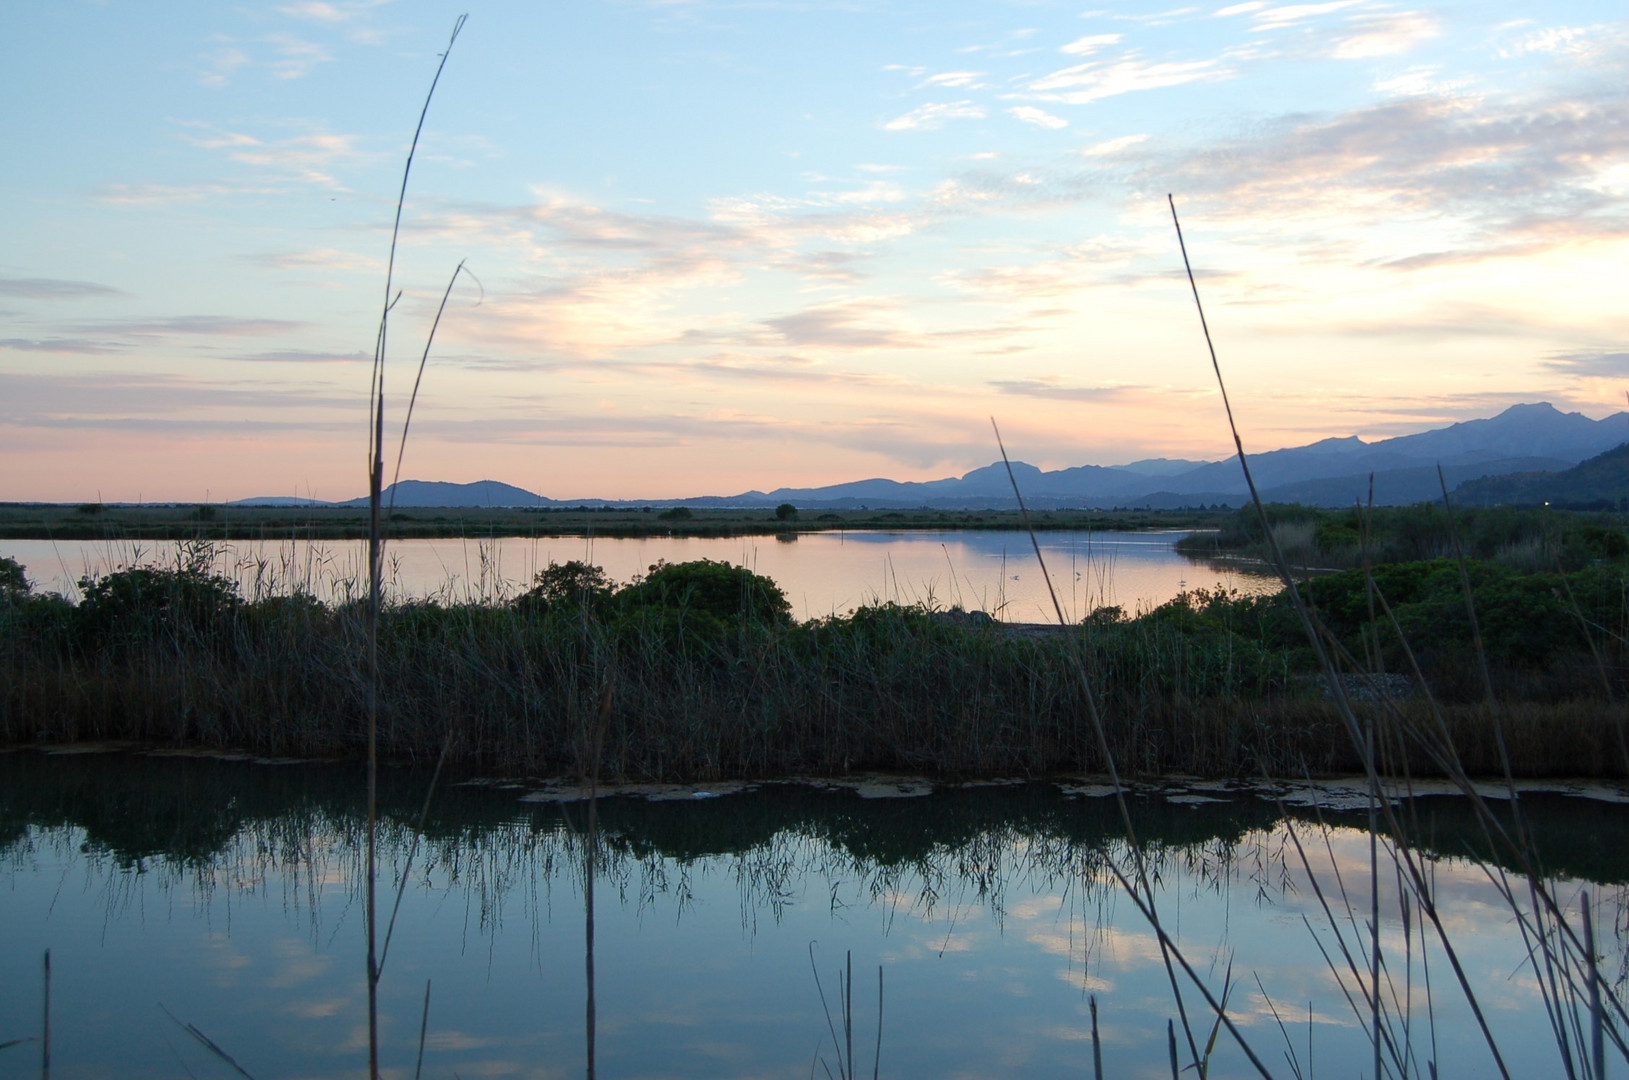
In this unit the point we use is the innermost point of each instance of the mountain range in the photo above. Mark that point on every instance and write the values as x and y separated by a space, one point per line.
1533 440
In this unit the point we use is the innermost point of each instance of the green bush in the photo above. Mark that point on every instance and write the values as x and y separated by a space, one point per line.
144 604
568 586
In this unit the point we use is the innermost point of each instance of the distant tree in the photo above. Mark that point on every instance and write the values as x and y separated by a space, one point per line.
570 586
14 585
786 512
678 513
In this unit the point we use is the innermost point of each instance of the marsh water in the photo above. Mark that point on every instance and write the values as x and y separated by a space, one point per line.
227 895
822 573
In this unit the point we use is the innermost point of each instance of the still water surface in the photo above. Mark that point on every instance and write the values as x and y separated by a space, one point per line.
822 573
229 894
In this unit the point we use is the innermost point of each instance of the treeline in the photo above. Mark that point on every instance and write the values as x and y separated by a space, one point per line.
697 671
1532 539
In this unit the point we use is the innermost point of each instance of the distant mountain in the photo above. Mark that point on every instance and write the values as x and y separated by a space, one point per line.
1535 439
1602 482
482 493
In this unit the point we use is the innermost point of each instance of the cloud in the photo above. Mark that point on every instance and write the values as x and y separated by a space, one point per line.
1089 82
195 325
157 194
296 58
1111 147
316 11
55 289
1592 364
137 401
1029 114
66 346
320 259
221 63
838 326
1279 17
1091 44
305 157
929 117
1502 173
306 356
967 79
1387 34
1051 387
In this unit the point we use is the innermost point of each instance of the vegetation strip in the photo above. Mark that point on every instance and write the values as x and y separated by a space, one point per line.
709 677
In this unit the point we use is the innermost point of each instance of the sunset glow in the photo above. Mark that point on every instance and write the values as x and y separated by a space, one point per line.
720 246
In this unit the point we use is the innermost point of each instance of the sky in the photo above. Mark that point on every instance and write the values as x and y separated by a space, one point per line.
716 246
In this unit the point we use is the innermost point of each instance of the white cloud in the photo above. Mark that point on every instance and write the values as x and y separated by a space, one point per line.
1029 114
1091 44
928 117
1274 18
1385 35
1086 83
1243 9
1114 146
222 63
969 79
296 57
1554 40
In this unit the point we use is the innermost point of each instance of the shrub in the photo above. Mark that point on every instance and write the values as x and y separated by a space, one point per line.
14 587
786 512
568 586
143 603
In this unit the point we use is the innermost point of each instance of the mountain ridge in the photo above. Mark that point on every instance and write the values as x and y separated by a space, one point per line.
1526 438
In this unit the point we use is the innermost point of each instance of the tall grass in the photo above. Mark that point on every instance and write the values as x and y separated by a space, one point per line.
1562 952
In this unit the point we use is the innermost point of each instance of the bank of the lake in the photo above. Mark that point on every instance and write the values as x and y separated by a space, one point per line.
698 671
220 522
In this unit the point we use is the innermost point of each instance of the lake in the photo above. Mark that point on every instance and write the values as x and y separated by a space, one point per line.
822 573
226 895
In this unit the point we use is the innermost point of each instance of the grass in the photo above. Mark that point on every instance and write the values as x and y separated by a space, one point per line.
46 521
708 677
1520 539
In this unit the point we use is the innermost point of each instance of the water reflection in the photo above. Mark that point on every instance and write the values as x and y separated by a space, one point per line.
822 574
230 893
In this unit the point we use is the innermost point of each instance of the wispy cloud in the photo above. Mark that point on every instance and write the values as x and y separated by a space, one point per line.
55 289
1053 387
953 79
1510 172
844 326
159 194
1601 363
1385 34
1280 16
296 57
306 356
65 346
1029 114
1110 147
1091 44
1094 81
929 117
195 326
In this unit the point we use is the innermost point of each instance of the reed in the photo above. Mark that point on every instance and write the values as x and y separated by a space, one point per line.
1211 684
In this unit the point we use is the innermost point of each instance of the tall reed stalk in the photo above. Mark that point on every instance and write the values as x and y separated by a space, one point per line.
376 543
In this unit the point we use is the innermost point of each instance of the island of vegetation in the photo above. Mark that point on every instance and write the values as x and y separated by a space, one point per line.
697 670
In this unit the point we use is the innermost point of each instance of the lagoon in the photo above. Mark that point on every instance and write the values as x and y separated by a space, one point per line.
227 894
822 573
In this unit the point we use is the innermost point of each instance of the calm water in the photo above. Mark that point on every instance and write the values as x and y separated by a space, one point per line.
229 894
822 573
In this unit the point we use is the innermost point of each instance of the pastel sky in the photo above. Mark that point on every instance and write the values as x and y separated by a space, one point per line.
728 245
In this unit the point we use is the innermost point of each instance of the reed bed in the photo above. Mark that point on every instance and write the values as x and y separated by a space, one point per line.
707 677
